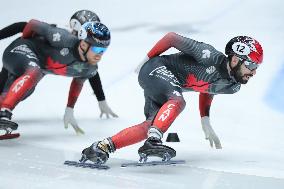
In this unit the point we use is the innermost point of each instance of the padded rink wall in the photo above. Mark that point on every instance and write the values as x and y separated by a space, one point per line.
275 94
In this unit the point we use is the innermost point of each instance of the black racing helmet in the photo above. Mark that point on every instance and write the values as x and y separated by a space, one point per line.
80 17
95 33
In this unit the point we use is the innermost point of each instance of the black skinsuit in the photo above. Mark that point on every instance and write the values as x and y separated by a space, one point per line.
43 49
198 67
18 27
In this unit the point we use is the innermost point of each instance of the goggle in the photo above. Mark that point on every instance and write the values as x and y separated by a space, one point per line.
98 50
249 65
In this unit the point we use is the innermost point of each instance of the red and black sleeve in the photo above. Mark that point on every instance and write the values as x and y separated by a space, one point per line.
162 45
35 27
205 101
74 92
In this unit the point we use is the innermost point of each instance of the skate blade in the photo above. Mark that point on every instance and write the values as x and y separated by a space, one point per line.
86 165
9 136
154 163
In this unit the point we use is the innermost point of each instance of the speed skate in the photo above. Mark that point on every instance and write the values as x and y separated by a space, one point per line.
8 126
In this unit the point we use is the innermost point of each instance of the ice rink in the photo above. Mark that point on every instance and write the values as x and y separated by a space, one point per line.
248 124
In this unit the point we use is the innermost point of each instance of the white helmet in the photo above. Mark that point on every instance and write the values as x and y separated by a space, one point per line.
81 17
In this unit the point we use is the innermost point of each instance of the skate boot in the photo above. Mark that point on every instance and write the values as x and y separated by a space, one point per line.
98 152
7 125
153 147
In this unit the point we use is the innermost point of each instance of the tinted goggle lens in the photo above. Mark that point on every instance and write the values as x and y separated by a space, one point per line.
98 50
250 65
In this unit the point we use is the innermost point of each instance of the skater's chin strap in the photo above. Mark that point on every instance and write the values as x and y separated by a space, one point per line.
84 52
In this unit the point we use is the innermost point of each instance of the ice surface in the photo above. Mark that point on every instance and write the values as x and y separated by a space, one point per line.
250 131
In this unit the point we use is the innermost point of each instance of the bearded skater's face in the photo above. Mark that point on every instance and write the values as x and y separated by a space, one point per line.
241 72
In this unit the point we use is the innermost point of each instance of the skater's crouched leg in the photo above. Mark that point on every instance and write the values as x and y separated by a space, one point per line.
131 135
99 151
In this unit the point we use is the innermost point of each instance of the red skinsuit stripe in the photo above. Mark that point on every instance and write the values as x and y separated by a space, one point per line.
139 132
205 101
168 113
20 87
74 92
162 45
131 135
